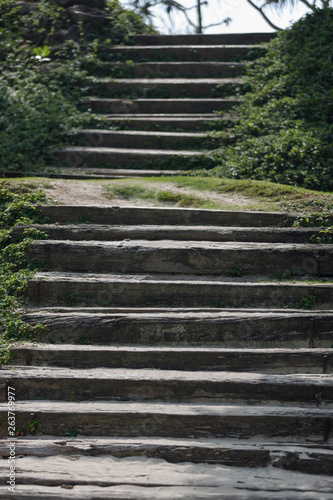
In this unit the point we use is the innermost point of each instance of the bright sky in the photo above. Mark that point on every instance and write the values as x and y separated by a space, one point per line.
245 19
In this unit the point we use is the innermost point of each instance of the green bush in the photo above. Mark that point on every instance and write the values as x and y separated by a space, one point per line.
285 127
33 120
41 85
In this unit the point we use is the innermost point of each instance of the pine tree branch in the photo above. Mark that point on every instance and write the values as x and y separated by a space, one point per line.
259 9
225 21
283 3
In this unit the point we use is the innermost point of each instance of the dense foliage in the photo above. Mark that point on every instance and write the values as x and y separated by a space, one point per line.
44 53
286 121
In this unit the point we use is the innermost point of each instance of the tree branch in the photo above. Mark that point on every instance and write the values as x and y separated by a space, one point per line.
283 3
225 21
309 5
272 25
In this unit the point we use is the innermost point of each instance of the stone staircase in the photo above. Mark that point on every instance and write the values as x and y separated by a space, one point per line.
156 101
176 363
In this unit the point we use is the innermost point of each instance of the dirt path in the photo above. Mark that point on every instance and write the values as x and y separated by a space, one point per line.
72 192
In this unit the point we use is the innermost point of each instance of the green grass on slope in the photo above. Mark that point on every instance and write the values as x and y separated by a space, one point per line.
217 193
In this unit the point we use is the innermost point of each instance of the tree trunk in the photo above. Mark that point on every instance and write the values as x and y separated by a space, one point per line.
199 27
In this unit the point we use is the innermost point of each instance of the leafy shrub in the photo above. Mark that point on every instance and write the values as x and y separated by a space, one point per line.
17 207
33 120
124 24
285 129
42 82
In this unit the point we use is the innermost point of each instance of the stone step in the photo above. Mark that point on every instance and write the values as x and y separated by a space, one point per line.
134 419
308 458
123 384
182 53
164 216
98 232
158 106
178 327
175 358
86 173
146 140
172 69
221 259
195 382
197 39
165 87
146 478
168 122
76 156
166 291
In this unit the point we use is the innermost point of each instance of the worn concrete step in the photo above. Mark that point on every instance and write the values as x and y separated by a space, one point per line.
146 140
181 328
124 384
121 290
168 122
303 457
182 69
158 106
173 53
86 173
185 257
83 173
165 87
197 39
102 418
99 232
117 290
164 216
175 358
177 309
144 479
85 155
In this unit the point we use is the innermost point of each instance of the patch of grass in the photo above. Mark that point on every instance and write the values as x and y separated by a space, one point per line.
291 197
131 191
240 194
181 199
262 189
128 192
